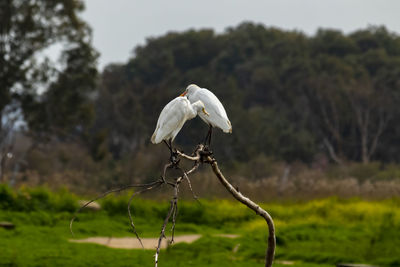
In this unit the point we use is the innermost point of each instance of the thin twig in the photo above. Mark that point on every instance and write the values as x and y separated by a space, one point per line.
190 186
104 195
167 166
174 214
162 234
129 209
175 211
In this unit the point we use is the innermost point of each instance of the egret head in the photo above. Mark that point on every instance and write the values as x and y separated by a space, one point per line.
190 90
200 108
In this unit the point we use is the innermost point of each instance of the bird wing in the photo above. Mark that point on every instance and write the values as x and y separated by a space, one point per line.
218 117
171 120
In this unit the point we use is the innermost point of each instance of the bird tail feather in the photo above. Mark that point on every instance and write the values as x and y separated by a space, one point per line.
229 128
153 138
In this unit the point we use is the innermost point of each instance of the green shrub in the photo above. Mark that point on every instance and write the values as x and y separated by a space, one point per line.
389 172
7 197
364 171
38 198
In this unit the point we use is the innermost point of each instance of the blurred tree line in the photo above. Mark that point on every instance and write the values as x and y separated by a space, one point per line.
290 97
51 98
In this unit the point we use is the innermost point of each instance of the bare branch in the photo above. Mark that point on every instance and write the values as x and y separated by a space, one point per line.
196 156
190 185
203 155
331 151
166 167
162 233
107 193
382 125
269 257
174 214
129 209
333 127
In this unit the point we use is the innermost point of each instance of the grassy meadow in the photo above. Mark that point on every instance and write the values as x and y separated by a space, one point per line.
312 233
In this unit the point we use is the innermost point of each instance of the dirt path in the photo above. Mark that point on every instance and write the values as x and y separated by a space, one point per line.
133 243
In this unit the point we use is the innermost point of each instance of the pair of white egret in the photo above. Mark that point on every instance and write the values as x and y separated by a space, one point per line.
194 101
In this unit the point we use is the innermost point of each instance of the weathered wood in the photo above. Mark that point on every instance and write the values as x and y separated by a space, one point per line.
204 155
269 255
7 225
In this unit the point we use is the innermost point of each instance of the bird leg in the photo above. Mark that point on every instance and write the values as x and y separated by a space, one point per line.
208 137
174 155
168 145
210 133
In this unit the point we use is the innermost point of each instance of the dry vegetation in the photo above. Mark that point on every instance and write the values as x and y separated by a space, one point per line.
262 178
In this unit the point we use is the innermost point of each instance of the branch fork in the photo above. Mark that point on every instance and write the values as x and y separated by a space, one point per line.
202 154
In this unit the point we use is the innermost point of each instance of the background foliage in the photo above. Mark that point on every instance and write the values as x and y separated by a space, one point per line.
297 103
285 92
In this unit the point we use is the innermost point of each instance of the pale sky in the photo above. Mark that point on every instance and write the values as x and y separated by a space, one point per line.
120 25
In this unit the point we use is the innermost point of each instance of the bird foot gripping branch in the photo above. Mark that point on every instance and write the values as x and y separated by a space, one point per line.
174 160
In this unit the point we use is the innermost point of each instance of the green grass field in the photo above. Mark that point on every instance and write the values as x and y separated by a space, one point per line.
314 233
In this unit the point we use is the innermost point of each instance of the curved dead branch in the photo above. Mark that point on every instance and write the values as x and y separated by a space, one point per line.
196 155
201 155
119 189
205 156
129 209
173 210
269 255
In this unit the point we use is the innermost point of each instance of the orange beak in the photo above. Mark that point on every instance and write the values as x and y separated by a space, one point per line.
183 94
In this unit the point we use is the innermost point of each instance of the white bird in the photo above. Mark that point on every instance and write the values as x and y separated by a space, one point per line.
214 107
173 117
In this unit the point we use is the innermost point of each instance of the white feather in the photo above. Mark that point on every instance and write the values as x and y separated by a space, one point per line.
214 107
173 117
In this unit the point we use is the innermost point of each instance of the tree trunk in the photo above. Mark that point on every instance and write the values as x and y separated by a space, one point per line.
331 151
364 149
